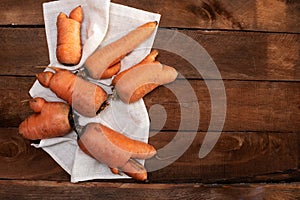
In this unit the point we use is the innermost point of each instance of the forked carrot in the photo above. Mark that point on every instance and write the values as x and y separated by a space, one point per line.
115 150
84 96
69 48
137 81
51 119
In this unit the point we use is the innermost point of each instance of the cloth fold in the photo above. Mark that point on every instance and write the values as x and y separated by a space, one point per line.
103 23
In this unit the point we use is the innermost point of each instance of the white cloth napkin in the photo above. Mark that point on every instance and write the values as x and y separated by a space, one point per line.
103 23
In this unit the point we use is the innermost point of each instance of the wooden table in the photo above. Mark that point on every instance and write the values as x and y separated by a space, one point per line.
255 45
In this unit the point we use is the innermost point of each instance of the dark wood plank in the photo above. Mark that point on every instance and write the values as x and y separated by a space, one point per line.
22 49
29 12
251 106
244 156
238 55
19 160
217 14
236 157
13 91
205 14
63 190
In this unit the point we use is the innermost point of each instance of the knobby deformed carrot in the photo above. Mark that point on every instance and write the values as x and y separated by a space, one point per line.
50 120
112 53
69 50
84 96
115 150
135 82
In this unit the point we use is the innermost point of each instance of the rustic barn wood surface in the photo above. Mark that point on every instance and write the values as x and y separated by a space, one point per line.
256 46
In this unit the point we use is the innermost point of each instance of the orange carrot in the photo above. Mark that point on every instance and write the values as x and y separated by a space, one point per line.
37 104
141 79
77 14
69 48
112 70
135 170
148 59
50 120
112 53
132 168
84 96
115 150
115 170
115 68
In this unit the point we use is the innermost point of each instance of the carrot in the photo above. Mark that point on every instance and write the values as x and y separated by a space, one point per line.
112 70
135 170
37 104
132 168
112 53
69 50
115 68
115 170
84 96
77 14
50 120
141 79
115 150
148 59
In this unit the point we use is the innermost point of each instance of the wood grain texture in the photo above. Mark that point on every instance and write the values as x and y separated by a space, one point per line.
14 90
19 160
250 106
62 190
216 14
205 14
237 55
21 13
244 156
22 49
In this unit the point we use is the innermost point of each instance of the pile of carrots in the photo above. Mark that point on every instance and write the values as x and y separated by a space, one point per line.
54 119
